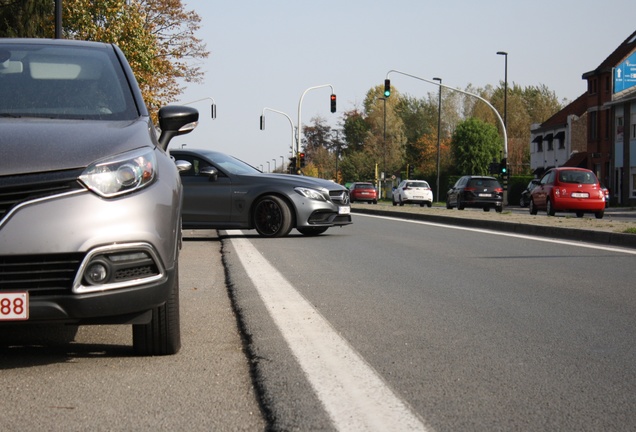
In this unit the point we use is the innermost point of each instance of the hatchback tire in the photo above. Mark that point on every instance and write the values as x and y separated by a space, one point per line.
599 214
549 208
162 335
532 207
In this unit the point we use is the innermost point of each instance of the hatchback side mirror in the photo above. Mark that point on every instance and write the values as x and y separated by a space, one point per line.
176 120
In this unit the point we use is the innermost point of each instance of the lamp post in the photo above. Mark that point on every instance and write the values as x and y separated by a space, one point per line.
439 130
282 163
505 54
274 164
269 169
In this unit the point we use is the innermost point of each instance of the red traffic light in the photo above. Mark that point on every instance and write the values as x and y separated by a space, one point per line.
333 103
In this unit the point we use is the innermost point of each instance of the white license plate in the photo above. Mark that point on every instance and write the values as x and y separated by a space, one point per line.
344 210
418 197
484 195
580 195
14 306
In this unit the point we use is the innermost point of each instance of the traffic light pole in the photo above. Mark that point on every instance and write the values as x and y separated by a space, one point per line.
291 123
300 103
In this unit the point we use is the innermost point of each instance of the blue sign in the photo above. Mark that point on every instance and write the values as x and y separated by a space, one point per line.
625 74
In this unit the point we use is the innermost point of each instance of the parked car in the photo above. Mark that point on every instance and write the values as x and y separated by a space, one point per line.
90 200
475 191
606 193
413 192
223 192
363 191
524 201
568 190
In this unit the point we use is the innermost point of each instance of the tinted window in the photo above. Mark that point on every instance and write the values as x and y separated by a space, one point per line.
489 183
63 82
417 184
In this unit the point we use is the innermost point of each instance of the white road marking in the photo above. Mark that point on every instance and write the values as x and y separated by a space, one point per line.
353 394
506 234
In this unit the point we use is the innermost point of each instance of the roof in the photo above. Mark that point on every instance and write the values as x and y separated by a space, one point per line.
577 107
619 54
576 160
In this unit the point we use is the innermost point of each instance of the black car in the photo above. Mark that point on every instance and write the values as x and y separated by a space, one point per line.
475 191
524 201
223 192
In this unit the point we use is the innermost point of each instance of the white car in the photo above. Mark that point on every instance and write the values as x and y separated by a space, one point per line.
413 192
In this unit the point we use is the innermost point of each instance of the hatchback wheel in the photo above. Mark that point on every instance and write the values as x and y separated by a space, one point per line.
599 214
579 214
549 207
272 217
162 335
532 207
460 204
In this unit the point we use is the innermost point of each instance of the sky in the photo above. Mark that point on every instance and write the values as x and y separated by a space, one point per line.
267 54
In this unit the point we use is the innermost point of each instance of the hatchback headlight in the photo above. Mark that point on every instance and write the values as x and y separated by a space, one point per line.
121 174
314 194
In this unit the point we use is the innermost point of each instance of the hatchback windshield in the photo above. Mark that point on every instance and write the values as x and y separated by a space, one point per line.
488 183
417 185
577 177
63 82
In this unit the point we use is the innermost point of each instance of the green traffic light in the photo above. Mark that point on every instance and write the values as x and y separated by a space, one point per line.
387 88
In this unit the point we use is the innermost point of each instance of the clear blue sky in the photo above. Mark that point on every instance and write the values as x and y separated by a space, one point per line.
267 53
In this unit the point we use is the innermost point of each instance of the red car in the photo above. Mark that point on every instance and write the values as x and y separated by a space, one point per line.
568 190
363 191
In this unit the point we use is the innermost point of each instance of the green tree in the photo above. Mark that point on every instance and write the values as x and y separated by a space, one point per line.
26 18
474 145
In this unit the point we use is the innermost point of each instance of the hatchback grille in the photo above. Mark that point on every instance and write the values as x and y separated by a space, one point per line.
18 189
39 274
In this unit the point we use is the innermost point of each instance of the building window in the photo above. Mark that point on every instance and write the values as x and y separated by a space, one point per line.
593 125
633 127
539 146
608 85
619 129
591 86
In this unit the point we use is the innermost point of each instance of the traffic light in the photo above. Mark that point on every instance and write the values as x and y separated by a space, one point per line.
302 160
503 167
262 122
333 103
387 88
409 171
292 165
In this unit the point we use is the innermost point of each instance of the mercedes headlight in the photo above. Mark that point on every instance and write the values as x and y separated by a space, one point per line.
314 194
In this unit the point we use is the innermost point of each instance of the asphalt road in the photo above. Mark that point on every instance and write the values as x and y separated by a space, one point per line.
467 329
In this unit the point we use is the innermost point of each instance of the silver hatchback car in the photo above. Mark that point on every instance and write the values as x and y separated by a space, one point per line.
90 200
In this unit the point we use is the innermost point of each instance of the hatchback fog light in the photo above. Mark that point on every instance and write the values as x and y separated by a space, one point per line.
97 273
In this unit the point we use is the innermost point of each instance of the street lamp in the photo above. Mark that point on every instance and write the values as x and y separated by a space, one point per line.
274 164
505 54
268 167
439 129
282 163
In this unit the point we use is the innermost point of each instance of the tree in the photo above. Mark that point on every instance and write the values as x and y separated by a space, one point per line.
474 145
26 18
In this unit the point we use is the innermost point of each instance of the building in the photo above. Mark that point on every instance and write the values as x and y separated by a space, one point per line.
598 130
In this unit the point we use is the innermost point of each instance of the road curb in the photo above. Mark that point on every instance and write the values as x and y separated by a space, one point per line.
591 236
